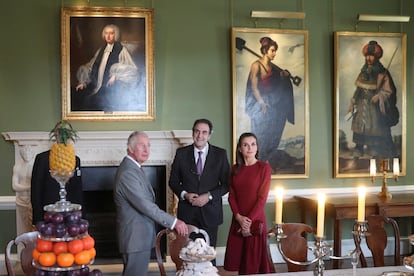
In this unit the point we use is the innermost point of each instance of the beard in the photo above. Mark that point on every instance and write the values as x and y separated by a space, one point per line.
370 72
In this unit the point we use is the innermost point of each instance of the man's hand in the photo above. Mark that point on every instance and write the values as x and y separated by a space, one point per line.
200 200
191 197
375 98
181 228
80 86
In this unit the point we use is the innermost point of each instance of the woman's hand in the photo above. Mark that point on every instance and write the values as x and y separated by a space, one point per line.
245 222
263 105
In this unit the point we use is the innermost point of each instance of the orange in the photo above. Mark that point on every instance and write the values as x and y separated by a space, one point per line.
60 247
35 254
88 242
47 259
65 259
82 258
75 246
92 252
44 245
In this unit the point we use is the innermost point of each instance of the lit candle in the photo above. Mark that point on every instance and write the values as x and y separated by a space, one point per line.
396 167
372 167
361 204
279 205
321 215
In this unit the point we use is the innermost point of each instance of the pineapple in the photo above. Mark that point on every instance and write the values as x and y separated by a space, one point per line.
62 158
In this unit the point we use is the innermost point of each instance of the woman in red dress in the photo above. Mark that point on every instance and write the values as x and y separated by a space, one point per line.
246 250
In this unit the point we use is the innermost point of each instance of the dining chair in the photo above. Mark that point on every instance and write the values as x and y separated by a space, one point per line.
28 241
294 246
175 243
377 240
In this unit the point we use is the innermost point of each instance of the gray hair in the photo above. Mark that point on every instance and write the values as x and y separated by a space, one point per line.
132 139
115 28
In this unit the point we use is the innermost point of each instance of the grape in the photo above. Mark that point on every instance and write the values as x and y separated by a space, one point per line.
40 272
54 273
57 218
83 226
84 271
60 231
48 216
95 272
73 230
78 213
76 272
72 218
48 230
40 226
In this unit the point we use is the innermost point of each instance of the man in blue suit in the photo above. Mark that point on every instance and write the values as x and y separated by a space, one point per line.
200 191
137 211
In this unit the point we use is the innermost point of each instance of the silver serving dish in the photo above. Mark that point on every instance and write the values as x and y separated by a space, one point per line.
58 268
62 206
64 238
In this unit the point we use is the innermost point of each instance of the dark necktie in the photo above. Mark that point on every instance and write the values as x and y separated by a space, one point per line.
199 163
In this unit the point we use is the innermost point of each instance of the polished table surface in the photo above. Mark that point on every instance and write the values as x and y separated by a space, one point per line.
346 207
369 271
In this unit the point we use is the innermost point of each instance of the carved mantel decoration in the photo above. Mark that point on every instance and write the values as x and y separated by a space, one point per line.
95 148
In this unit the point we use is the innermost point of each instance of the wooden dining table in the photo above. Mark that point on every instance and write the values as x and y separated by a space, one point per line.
345 206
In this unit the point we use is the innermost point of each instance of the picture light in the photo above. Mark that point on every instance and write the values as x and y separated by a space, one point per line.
383 18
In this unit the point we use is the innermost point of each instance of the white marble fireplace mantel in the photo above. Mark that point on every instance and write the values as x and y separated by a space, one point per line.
95 148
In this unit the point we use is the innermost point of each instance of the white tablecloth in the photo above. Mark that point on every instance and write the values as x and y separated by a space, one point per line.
369 271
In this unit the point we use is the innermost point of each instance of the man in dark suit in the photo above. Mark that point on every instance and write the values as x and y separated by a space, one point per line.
200 190
44 188
137 211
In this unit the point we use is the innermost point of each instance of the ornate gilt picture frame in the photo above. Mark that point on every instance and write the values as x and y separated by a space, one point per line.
275 108
370 96
107 64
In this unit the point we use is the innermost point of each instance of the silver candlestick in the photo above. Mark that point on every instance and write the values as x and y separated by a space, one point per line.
321 250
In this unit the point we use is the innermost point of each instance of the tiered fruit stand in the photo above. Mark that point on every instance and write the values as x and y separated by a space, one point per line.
64 246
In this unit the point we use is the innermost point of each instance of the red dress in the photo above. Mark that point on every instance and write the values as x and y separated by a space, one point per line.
248 193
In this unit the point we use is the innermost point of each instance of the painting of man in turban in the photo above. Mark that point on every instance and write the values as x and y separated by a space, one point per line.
371 127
